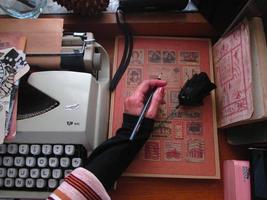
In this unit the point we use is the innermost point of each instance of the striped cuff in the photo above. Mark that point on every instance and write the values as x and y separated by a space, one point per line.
80 184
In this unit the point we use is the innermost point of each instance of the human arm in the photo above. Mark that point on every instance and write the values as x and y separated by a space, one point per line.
109 160
117 153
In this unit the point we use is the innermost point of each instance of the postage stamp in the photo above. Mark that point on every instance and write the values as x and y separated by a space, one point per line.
172 151
169 56
137 57
134 76
152 150
195 150
189 57
154 56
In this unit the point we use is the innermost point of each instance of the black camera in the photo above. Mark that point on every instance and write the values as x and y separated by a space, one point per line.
151 5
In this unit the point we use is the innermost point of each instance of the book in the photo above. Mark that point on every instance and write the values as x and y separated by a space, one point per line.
241 75
186 145
236 180
257 172
249 134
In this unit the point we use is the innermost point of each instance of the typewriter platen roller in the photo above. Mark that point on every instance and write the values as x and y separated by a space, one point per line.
83 45
78 52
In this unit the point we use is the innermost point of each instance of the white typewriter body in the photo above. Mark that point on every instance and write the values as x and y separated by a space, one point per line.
81 117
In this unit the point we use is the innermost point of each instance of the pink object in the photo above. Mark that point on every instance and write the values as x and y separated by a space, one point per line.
236 180
13 126
233 72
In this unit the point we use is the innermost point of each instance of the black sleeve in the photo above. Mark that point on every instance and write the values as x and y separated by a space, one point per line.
109 160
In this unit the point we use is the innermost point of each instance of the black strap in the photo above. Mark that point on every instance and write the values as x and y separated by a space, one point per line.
128 48
152 5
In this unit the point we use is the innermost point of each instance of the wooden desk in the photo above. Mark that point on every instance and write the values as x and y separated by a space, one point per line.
159 24
178 189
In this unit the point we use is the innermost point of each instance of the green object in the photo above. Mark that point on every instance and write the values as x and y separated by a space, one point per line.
255 133
23 9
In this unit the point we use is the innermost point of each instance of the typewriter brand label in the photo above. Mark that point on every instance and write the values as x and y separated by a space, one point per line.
72 123
69 123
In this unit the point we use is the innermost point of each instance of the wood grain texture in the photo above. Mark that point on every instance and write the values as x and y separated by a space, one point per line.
154 23
43 35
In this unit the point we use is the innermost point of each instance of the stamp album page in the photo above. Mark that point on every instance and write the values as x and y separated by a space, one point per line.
186 145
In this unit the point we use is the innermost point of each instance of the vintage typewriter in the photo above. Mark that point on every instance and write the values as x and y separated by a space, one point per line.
62 117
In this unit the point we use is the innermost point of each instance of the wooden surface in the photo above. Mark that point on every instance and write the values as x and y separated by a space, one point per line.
133 188
129 188
160 24
157 24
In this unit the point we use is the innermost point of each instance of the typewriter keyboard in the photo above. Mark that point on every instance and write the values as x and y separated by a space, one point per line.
40 167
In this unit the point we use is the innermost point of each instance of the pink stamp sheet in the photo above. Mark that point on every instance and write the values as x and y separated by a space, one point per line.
186 145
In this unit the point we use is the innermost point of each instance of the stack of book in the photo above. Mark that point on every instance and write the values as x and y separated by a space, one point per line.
242 90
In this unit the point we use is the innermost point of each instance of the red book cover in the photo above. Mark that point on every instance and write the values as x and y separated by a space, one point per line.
233 72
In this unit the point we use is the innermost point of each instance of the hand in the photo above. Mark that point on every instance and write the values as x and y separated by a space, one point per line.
134 104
